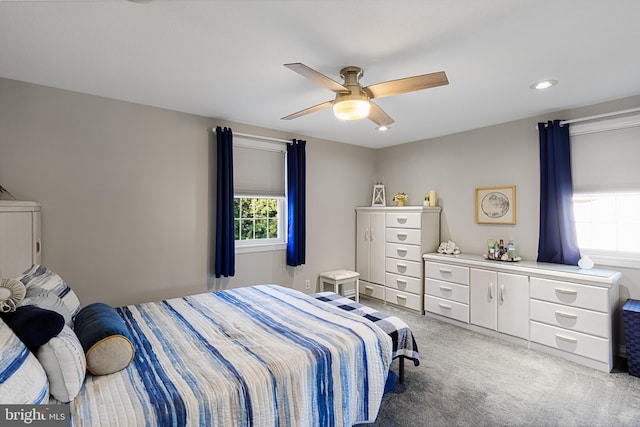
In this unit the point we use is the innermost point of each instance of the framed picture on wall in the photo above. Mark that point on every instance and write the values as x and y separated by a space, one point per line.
496 205
378 198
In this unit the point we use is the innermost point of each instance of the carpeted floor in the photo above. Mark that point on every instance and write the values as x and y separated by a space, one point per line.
469 379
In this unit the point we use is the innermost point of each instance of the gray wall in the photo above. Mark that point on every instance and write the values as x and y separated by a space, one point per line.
125 195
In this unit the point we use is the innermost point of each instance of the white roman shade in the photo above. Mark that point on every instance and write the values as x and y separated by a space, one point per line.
605 156
258 167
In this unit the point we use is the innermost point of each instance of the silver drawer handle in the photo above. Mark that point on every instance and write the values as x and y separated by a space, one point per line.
445 306
402 236
567 339
445 288
402 266
402 219
401 297
401 251
404 282
445 271
369 288
567 315
567 291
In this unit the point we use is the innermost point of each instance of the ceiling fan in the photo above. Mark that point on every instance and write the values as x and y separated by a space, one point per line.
353 102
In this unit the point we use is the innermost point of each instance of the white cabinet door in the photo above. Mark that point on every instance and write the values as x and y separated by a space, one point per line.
362 244
483 298
513 305
16 248
19 237
370 246
377 249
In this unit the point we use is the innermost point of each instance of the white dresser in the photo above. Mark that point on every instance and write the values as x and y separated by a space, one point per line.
20 245
390 244
557 309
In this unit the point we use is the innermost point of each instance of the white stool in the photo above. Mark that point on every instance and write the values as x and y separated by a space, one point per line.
340 277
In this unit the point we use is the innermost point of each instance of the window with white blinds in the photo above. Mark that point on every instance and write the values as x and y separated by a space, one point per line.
606 184
259 169
605 155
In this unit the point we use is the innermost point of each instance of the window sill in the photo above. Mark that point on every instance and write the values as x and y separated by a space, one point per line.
613 259
244 249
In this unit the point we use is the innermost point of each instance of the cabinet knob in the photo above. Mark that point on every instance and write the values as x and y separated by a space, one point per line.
567 291
567 315
566 338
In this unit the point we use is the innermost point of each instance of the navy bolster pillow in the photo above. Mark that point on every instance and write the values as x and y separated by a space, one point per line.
105 339
34 326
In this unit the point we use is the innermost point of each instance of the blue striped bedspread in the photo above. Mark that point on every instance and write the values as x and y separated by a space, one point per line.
256 356
404 343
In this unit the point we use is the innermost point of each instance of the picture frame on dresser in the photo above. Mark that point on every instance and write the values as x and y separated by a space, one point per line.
496 205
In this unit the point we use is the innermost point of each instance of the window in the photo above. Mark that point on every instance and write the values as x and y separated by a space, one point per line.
258 220
259 199
606 186
608 226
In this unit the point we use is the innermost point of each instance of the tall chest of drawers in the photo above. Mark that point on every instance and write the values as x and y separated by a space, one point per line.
409 232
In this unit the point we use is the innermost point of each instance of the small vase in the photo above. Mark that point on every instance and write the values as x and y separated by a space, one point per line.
400 203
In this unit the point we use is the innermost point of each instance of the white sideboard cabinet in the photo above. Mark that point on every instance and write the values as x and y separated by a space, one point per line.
20 245
558 309
390 244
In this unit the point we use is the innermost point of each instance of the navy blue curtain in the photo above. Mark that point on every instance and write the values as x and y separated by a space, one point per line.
225 263
558 242
296 198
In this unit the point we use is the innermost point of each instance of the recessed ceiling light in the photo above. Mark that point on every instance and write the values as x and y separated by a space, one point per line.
543 84
382 128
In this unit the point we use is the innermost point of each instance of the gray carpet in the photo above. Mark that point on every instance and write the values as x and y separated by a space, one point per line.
469 379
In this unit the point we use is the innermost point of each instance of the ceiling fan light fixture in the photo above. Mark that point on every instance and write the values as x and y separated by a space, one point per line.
351 109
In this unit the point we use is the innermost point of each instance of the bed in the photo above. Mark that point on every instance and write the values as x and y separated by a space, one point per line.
404 343
256 356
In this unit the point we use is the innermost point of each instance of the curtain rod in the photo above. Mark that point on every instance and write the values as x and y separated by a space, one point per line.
600 116
265 138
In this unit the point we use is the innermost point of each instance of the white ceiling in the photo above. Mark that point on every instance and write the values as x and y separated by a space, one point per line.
224 59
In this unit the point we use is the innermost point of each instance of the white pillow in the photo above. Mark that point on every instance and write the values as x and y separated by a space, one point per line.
47 290
64 362
22 378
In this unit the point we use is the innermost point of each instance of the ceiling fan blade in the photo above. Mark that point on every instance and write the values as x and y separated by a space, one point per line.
308 110
408 84
316 77
378 116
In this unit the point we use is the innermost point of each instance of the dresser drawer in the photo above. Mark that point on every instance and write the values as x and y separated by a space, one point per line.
406 268
447 290
403 235
573 294
404 283
404 299
576 319
403 220
410 252
371 290
443 307
572 342
450 273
